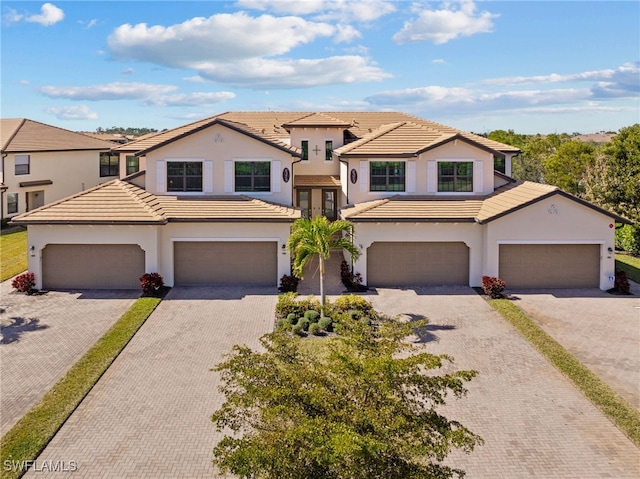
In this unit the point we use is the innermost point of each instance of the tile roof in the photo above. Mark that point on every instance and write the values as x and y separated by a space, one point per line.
21 135
505 200
270 126
120 202
316 181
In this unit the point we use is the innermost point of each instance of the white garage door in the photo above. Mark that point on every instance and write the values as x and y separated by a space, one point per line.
226 263
417 263
550 265
92 266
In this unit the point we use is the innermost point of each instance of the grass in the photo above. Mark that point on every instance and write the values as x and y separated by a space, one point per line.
26 440
630 265
13 252
619 411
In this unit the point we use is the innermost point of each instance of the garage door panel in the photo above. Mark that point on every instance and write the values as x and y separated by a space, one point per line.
225 263
417 263
550 265
92 266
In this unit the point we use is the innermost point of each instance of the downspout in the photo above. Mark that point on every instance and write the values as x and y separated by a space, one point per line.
2 190
293 203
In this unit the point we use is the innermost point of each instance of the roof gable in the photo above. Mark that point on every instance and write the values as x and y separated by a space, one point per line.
23 136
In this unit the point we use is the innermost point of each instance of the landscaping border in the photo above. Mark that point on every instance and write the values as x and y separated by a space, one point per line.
616 408
31 434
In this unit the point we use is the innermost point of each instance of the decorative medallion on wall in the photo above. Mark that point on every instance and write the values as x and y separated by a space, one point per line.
552 210
218 138
354 176
286 175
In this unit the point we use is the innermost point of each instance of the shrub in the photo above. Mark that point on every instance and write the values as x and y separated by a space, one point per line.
290 303
304 323
349 302
297 329
493 287
151 284
365 320
24 283
288 284
312 316
353 282
628 239
354 314
621 283
284 324
292 318
315 329
326 324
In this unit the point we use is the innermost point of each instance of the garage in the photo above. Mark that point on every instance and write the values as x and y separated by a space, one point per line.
226 263
417 263
92 266
550 265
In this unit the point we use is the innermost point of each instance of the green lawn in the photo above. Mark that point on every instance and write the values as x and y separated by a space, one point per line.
630 265
619 411
13 252
25 440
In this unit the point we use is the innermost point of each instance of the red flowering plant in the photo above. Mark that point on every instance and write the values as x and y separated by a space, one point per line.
493 287
24 283
151 284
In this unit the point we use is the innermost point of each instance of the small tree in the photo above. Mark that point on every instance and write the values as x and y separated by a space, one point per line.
319 236
362 408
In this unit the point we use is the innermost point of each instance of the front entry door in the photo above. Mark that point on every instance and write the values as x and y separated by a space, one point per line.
329 209
304 202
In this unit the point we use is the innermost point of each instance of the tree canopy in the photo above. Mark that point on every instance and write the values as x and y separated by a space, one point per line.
365 406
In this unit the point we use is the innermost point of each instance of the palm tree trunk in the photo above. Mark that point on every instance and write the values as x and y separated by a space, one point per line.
322 298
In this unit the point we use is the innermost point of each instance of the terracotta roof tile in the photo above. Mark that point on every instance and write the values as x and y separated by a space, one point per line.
415 208
512 196
21 135
316 181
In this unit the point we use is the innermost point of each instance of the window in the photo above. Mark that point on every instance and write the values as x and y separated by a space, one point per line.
305 150
12 203
253 176
22 164
499 164
184 176
109 164
133 165
328 150
455 176
387 175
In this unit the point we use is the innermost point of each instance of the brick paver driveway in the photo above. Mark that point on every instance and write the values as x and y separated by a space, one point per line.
600 329
43 336
534 422
150 414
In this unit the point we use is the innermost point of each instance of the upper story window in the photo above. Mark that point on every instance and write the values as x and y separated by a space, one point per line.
387 176
109 164
252 176
499 164
305 149
455 176
184 176
22 164
328 150
133 165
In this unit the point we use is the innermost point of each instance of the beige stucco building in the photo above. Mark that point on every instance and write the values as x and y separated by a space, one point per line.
215 200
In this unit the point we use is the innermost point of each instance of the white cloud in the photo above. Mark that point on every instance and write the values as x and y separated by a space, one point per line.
24 82
194 79
438 61
276 74
192 99
441 26
325 10
218 49
109 91
49 15
12 16
77 112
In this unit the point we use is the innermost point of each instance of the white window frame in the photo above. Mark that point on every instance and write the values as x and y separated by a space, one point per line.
165 170
474 171
22 160
273 184
386 193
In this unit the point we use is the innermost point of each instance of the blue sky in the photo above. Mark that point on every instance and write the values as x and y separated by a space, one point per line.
534 67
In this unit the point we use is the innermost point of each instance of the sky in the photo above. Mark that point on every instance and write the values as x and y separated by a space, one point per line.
532 67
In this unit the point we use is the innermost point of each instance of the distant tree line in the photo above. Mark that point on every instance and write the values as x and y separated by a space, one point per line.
606 174
126 131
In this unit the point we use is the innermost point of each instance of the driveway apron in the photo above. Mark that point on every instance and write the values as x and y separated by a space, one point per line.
534 422
600 329
43 336
150 414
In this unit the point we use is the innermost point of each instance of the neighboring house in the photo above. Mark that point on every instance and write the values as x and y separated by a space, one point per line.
430 205
42 164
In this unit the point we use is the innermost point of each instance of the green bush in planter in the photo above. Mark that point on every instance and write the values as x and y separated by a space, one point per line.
284 324
298 329
326 324
292 318
304 323
312 316
315 329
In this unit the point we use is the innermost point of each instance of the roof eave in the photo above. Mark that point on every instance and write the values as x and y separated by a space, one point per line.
355 219
231 220
27 222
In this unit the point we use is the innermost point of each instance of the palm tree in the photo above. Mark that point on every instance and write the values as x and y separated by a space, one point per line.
319 236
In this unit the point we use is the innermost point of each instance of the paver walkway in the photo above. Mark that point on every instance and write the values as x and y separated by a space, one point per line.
332 281
600 329
150 414
534 422
43 336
